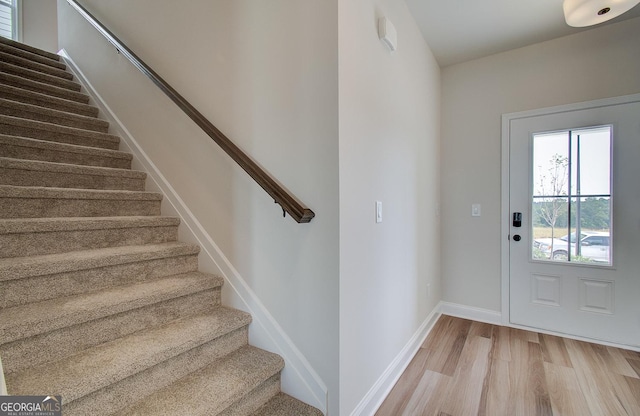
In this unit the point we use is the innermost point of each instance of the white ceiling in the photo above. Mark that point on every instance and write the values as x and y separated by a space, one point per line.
460 30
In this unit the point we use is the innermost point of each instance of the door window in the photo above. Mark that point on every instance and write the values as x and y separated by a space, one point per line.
571 196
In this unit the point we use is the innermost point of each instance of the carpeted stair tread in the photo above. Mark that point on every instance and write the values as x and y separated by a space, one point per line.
28 48
35 98
32 202
63 175
42 225
254 399
35 66
64 193
212 389
21 71
33 149
39 236
64 342
38 165
31 56
43 88
15 126
116 271
285 405
31 266
49 115
28 320
131 311
102 365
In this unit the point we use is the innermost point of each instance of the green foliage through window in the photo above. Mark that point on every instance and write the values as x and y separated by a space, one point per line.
595 214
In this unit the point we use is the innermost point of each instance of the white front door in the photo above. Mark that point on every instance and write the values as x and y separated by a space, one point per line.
574 219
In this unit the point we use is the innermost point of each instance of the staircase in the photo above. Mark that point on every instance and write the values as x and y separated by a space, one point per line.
99 302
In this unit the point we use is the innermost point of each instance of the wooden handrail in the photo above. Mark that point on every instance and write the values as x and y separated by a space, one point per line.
288 202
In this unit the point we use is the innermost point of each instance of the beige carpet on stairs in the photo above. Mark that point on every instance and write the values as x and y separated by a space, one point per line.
99 301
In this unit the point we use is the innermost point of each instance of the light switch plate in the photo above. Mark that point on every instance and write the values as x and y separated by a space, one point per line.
378 211
475 210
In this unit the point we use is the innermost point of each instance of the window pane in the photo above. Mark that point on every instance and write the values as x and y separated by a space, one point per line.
6 29
571 196
594 147
549 219
550 164
592 216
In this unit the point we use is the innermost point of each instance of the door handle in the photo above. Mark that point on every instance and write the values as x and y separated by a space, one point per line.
517 237
517 219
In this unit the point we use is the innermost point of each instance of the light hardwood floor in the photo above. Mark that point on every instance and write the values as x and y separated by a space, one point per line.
470 368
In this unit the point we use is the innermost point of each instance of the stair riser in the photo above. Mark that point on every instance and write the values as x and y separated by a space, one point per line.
41 88
46 101
26 177
128 391
32 57
39 76
37 243
61 343
56 136
92 124
35 66
48 207
255 399
50 155
35 289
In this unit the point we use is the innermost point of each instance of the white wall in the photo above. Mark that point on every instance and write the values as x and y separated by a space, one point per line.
40 24
389 149
602 62
266 74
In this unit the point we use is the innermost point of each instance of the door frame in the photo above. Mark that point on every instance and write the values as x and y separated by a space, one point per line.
505 224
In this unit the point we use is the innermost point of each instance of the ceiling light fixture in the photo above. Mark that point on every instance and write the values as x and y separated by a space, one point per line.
580 13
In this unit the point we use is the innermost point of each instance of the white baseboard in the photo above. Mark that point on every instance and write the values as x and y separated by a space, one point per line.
298 379
382 387
470 312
